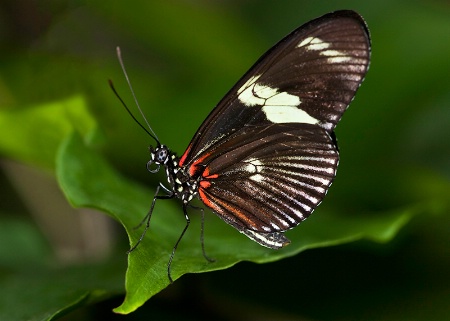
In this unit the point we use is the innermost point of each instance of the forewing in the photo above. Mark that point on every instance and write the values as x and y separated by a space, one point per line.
309 77
272 178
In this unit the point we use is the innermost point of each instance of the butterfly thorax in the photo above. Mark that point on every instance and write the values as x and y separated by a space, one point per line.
181 183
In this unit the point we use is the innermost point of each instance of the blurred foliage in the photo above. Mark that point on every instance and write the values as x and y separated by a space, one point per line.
59 118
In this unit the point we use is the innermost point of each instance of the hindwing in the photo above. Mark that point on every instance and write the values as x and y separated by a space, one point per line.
267 179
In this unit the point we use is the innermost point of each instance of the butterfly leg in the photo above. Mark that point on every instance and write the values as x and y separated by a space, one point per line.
148 217
202 233
169 264
188 222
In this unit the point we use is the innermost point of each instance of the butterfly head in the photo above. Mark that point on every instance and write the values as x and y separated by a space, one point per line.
158 156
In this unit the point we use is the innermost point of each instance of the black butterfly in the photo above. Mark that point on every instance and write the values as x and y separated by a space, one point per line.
266 155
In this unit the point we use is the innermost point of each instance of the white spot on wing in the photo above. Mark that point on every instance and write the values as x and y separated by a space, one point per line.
282 99
336 56
313 43
305 41
279 107
317 44
338 60
288 114
253 165
257 178
268 93
249 82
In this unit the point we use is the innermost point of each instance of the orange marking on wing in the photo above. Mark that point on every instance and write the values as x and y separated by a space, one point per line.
205 199
205 184
206 174
218 206
193 167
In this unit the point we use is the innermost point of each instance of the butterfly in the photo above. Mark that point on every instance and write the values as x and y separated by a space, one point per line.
266 155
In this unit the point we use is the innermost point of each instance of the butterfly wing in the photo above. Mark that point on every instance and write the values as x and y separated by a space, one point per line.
266 179
266 155
309 76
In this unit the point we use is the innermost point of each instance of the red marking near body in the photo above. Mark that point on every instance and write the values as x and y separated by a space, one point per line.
193 167
205 184
183 158
207 175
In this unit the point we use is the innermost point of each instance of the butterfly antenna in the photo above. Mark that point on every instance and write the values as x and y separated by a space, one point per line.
150 132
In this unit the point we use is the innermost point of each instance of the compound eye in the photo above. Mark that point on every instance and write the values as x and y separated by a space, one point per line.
161 155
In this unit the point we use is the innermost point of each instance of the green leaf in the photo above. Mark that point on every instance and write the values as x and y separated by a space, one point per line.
46 294
33 134
89 181
35 288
